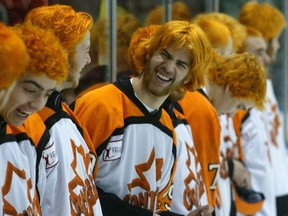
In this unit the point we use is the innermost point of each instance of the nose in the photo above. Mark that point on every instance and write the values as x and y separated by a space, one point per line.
169 66
88 59
39 102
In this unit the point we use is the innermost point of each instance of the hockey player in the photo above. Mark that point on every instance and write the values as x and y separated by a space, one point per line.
13 61
71 176
222 94
48 66
252 15
136 148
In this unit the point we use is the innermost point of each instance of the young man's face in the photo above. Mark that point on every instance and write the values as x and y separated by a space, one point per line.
257 46
272 48
80 59
166 71
29 95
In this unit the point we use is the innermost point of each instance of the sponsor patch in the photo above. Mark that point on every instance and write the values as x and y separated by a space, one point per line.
113 150
50 156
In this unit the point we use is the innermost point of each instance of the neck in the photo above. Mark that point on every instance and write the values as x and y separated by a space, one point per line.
215 94
145 96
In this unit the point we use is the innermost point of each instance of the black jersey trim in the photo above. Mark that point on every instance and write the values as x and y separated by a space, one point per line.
100 148
282 207
124 85
7 138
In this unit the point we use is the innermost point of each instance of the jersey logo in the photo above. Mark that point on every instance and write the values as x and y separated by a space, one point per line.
114 149
192 195
16 176
145 199
82 188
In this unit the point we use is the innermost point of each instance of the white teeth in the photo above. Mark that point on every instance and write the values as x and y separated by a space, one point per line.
163 77
23 113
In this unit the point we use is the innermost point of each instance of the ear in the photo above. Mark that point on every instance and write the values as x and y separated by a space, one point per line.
187 79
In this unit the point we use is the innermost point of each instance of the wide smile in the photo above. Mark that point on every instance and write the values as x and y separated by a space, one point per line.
23 114
163 77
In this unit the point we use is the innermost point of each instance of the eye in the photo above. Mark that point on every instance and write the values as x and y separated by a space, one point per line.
29 90
182 65
165 55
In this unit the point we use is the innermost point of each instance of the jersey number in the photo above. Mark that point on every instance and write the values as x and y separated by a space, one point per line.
215 167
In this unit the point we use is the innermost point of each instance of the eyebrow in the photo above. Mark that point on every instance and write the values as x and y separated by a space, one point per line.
181 62
36 85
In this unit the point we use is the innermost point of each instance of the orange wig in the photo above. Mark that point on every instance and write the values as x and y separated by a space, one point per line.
243 74
47 54
237 30
217 33
139 44
67 24
180 11
263 17
127 24
14 56
178 34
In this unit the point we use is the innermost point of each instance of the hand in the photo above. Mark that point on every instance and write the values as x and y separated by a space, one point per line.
202 211
241 176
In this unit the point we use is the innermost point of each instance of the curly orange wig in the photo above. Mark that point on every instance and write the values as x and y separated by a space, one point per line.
180 11
243 74
47 54
14 56
67 24
179 34
139 45
237 30
263 17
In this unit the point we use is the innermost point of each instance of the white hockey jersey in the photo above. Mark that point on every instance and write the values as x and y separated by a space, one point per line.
136 148
18 173
70 165
189 191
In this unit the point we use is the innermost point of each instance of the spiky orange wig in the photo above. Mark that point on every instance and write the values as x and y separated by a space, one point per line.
237 30
180 11
179 34
243 74
47 54
14 56
264 17
67 24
